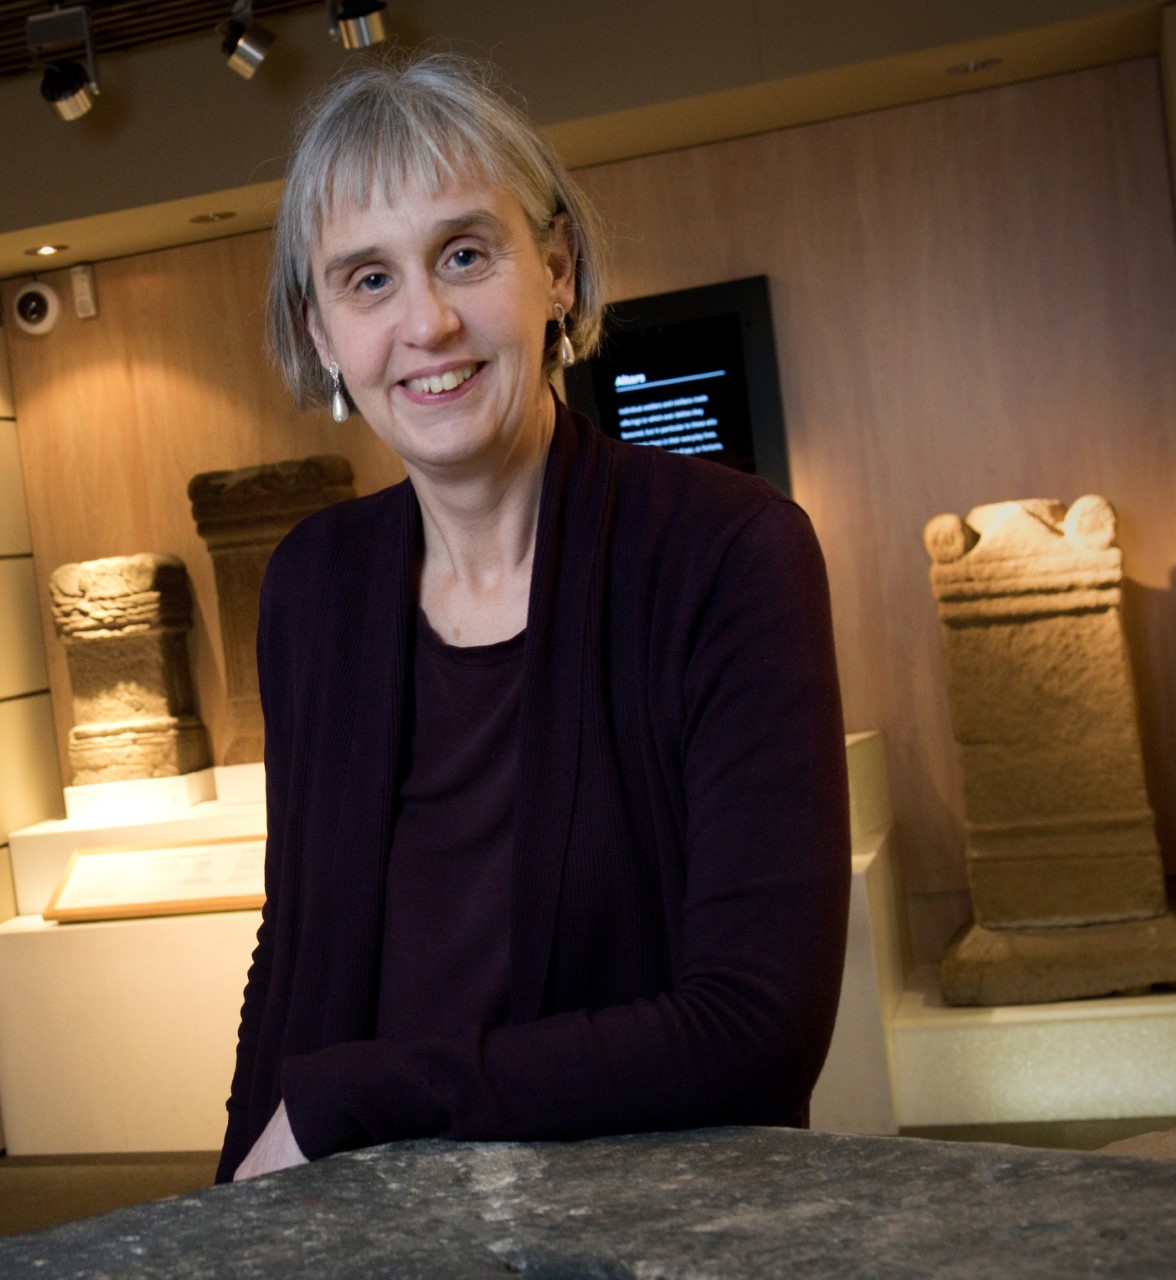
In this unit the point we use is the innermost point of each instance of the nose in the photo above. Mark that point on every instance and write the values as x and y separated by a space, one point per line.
427 319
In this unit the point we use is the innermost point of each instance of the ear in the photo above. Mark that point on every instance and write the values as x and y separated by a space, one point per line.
317 334
561 261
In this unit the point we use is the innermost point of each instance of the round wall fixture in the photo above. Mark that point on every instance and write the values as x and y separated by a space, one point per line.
36 308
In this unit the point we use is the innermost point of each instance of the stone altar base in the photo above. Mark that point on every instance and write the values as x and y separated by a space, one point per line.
700 1205
1033 966
159 748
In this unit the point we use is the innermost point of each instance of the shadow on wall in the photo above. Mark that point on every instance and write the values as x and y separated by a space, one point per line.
1152 662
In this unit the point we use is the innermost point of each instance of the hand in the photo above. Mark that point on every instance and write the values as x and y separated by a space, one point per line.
276 1148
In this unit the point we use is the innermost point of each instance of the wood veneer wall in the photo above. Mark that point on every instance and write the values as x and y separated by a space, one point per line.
975 299
122 410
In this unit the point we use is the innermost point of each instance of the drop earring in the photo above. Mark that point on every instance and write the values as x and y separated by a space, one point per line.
567 353
339 408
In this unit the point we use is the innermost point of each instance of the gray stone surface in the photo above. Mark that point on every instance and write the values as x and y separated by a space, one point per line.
708 1205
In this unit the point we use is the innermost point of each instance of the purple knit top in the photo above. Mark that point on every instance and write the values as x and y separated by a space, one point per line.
446 950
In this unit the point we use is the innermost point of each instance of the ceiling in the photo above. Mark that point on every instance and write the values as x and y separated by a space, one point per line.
117 25
175 136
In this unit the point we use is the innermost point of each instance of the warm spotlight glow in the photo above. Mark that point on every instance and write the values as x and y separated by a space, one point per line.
46 250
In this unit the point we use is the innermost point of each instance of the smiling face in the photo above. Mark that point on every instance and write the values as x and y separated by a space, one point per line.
435 308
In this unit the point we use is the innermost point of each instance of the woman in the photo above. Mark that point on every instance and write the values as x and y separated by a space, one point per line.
554 763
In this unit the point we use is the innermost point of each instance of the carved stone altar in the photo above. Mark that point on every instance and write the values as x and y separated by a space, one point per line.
1065 873
124 623
242 515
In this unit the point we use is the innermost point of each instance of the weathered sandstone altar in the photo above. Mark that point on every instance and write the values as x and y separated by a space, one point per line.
242 515
124 623
1065 873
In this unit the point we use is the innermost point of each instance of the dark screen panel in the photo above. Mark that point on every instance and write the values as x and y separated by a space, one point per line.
694 372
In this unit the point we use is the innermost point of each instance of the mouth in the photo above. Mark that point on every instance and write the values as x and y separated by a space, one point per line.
435 384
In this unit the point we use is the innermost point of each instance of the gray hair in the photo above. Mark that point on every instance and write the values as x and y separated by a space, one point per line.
427 121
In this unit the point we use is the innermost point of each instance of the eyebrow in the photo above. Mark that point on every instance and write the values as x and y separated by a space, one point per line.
473 220
343 263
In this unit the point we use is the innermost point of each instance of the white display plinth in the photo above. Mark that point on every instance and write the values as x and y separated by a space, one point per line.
95 803
240 783
1103 1059
41 853
120 1036
853 1094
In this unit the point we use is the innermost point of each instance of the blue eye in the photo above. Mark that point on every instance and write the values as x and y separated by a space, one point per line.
465 257
373 281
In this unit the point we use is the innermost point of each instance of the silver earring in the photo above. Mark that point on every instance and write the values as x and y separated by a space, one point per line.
567 353
339 408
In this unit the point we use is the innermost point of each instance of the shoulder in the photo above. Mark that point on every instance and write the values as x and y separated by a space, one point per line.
342 528
701 509
351 533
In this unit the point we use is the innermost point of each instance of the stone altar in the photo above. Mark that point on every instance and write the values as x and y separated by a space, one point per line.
1063 866
124 623
242 515
697 1205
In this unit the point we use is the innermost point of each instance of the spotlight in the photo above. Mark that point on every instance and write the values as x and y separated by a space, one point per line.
66 89
358 23
60 42
244 41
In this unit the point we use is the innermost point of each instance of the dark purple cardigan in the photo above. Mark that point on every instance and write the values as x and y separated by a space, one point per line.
681 866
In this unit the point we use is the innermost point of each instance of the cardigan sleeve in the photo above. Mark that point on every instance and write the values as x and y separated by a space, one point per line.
741 1034
272 660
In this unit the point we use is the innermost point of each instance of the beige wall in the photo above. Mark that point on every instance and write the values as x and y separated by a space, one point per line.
119 412
975 299
29 783
30 786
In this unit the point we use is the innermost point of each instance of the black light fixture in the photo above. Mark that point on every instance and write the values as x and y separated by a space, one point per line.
244 41
59 40
358 23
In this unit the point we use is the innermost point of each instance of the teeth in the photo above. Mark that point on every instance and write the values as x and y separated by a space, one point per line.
438 382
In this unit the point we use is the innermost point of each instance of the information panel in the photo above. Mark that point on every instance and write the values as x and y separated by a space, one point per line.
681 387
182 879
693 372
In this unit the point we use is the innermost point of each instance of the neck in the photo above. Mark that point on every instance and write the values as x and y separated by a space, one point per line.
479 541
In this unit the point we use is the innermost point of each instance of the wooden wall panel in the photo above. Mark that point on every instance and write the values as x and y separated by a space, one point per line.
22 650
116 414
975 299
30 787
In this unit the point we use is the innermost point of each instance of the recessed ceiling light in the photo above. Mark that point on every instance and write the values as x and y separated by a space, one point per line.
218 215
46 250
973 65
